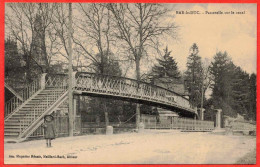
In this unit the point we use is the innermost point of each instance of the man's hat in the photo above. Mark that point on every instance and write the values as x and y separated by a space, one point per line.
50 116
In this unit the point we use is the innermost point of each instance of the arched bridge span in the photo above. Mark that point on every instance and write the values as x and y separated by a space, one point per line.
130 89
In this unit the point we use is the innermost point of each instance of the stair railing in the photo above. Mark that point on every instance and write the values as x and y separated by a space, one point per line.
39 109
56 80
26 93
44 103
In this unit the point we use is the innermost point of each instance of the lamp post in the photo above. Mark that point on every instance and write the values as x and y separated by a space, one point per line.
71 114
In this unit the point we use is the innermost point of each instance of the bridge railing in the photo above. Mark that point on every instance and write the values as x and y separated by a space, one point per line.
56 81
120 86
184 124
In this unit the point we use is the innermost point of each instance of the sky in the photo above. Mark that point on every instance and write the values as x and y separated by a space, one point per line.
233 33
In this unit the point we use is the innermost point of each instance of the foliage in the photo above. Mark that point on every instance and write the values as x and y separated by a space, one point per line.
233 90
252 97
106 64
14 69
194 75
167 70
29 24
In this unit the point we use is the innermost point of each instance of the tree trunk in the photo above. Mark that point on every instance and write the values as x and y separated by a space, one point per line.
28 69
106 118
202 98
46 66
138 79
103 105
106 113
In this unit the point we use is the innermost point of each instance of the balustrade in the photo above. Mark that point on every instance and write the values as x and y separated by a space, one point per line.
184 124
59 82
26 93
130 88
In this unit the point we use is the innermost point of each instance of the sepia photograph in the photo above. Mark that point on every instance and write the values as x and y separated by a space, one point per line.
130 83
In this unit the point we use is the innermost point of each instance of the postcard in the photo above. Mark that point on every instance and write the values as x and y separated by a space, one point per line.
129 83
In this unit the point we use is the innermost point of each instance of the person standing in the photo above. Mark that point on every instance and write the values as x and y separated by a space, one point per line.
49 130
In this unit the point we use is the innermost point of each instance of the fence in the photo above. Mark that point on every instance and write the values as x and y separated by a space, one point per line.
169 122
61 124
99 128
151 122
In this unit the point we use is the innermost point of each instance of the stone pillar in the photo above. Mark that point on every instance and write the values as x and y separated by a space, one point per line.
202 114
109 130
218 118
141 127
43 80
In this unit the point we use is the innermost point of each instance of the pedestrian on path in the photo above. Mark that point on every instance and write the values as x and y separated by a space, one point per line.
49 130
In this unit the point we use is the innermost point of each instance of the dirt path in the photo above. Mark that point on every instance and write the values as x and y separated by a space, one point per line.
150 147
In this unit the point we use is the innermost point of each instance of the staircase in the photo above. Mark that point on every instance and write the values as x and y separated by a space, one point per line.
28 116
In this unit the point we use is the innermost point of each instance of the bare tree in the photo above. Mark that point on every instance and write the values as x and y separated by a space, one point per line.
94 40
60 27
139 26
94 33
29 24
